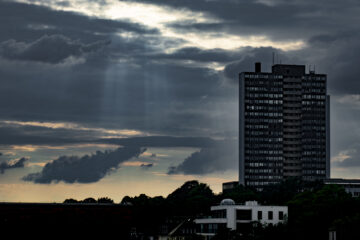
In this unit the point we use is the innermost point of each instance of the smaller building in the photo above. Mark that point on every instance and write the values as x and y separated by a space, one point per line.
177 228
229 185
351 186
235 217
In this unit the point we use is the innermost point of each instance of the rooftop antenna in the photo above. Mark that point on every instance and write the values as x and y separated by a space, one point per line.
273 58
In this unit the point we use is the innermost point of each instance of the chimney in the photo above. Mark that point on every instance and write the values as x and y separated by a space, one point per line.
258 67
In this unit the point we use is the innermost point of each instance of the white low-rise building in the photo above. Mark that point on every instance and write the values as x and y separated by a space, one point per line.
351 186
232 216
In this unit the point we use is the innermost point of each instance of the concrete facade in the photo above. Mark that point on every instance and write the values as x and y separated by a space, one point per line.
232 216
284 128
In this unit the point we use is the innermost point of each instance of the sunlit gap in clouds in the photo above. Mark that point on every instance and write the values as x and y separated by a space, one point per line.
33 148
146 14
117 97
76 126
138 103
160 17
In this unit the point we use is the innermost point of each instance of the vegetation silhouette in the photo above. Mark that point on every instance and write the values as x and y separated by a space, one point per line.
103 200
314 210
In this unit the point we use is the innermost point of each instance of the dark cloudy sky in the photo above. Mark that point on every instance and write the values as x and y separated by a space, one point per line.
113 98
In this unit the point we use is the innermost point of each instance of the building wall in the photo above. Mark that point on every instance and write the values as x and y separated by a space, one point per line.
283 126
231 214
232 222
229 185
315 127
328 156
242 129
261 129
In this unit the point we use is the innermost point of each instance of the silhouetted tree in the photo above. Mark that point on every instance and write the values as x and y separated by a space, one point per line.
127 201
157 201
71 200
105 200
141 200
314 208
239 194
286 190
89 200
312 213
191 198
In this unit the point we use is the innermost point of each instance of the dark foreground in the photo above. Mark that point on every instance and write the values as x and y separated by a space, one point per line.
314 211
61 220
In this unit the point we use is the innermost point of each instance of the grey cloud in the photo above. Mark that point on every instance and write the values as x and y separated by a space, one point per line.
125 85
147 166
163 141
319 40
201 55
116 95
222 157
49 49
252 55
129 85
17 164
332 39
85 169
345 131
349 162
31 135
337 54
352 161
279 21
25 135
76 26
63 3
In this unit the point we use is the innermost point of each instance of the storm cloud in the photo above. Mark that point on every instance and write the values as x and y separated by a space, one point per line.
28 22
117 82
251 55
129 76
350 162
49 49
146 166
219 158
163 141
85 169
274 18
16 164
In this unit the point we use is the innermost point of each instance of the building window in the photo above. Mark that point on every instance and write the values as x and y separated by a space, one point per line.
211 230
270 215
219 213
259 215
243 214
281 215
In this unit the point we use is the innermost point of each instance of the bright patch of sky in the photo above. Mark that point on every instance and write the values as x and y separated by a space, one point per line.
159 17
129 179
349 99
74 126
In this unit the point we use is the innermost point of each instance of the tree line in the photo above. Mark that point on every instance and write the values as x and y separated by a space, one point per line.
314 209
90 200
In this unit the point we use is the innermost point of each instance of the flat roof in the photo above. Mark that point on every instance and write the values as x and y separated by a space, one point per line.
342 181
